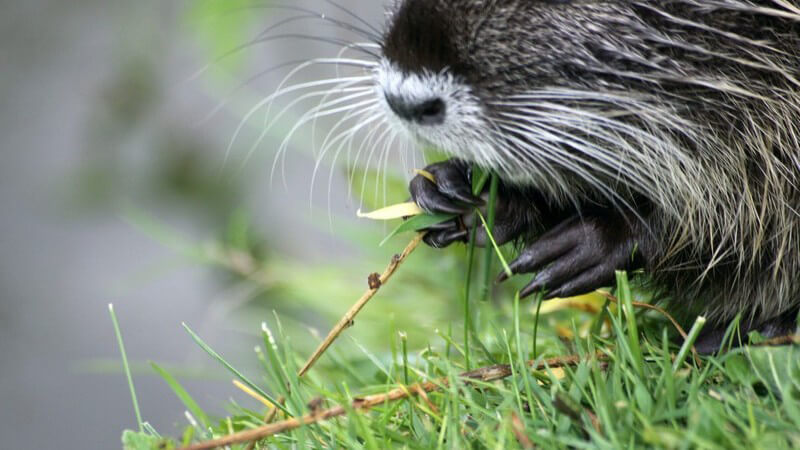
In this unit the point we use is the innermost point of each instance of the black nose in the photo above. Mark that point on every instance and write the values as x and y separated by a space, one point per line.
428 112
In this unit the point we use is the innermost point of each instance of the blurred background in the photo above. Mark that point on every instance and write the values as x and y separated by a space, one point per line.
115 121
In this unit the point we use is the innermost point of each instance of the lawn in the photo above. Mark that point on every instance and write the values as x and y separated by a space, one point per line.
443 358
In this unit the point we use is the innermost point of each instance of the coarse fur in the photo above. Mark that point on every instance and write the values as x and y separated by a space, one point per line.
674 122
684 115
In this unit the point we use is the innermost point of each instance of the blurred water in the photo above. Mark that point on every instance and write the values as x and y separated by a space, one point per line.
90 92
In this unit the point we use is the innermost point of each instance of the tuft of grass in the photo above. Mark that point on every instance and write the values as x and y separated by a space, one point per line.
746 398
634 385
232 369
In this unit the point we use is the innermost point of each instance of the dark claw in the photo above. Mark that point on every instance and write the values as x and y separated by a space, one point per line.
530 288
540 253
462 193
442 226
441 239
575 257
426 195
585 282
503 276
566 269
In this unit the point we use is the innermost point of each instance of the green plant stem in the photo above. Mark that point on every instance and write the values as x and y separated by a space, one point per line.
539 301
467 284
406 382
233 370
689 342
126 367
624 293
495 246
487 261
469 324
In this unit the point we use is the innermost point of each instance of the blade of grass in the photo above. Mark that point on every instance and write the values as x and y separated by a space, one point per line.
689 342
539 301
495 246
521 357
126 367
468 324
182 394
417 223
488 223
233 370
624 292
406 381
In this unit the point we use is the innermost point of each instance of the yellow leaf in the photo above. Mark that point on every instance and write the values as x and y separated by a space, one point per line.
392 212
591 303
426 174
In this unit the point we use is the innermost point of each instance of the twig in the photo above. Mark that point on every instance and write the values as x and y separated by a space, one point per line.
486 374
518 428
375 284
267 419
780 340
664 313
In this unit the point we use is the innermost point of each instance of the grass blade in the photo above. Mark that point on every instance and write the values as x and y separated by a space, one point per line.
624 292
495 246
689 342
233 370
488 223
182 394
417 223
126 367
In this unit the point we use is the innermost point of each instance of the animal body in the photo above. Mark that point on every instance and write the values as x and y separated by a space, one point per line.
662 135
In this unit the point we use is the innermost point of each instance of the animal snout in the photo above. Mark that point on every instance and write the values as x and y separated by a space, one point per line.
427 112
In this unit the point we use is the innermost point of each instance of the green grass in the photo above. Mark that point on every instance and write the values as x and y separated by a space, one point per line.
635 386
745 398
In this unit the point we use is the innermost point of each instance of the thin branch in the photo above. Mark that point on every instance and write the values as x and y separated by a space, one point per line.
518 428
778 341
485 374
375 284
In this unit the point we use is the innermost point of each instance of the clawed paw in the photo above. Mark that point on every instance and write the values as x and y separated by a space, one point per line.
576 257
451 193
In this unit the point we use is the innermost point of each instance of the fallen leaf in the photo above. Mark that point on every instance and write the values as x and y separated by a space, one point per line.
397 211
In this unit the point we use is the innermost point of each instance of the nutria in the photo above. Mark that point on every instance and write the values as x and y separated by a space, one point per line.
655 135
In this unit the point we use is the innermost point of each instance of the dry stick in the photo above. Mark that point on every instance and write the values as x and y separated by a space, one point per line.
675 323
518 428
780 340
375 284
268 419
485 374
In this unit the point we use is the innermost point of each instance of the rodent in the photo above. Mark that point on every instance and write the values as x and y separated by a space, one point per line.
658 135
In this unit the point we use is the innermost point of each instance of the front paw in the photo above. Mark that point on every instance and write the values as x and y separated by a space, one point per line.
450 192
576 257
